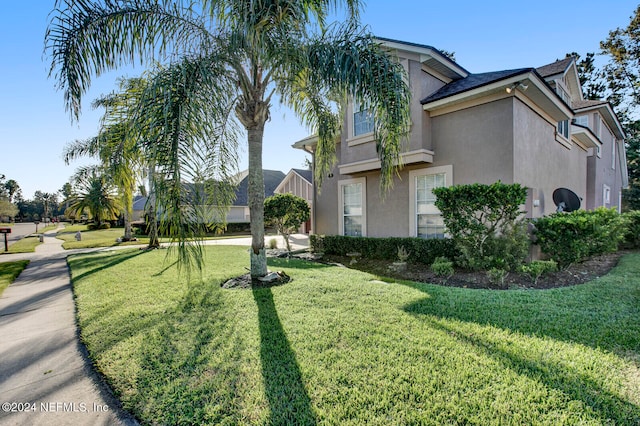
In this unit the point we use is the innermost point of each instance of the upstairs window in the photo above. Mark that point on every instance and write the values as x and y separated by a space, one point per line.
582 120
563 128
362 119
596 124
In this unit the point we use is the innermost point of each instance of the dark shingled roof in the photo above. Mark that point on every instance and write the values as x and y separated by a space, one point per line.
555 68
586 104
473 81
305 173
272 179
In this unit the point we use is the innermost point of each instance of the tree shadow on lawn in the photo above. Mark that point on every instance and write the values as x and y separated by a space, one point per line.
95 263
288 399
189 364
577 386
602 314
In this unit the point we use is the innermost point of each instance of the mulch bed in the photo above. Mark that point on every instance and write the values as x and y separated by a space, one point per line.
573 275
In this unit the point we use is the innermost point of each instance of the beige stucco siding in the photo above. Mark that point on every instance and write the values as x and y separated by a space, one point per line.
601 172
543 164
478 141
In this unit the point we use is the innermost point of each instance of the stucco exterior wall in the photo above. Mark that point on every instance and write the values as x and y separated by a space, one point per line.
601 172
477 141
543 164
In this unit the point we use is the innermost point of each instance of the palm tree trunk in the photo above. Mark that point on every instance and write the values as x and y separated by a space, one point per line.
256 202
154 242
128 213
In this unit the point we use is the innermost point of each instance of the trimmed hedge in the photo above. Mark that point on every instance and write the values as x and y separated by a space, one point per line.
576 236
421 250
632 236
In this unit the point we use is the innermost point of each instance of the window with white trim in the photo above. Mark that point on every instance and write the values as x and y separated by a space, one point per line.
606 195
563 128
426 220
362 118
582 120
352 207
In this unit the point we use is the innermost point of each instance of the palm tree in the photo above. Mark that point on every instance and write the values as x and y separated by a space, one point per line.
226 62
116 147
95 195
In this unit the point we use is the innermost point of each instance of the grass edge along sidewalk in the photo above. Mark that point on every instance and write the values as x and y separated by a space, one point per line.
9 271
339 346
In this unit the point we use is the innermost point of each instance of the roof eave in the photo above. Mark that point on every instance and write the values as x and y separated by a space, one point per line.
558 109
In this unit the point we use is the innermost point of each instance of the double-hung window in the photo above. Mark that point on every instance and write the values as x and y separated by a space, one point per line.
362 118
352 213
563 126
426 220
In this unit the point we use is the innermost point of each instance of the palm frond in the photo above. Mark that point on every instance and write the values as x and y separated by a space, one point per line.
186 114
85 38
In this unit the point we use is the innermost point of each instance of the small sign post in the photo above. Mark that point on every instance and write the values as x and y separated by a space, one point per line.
5 231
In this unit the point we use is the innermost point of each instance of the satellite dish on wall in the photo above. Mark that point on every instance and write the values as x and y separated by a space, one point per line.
566 200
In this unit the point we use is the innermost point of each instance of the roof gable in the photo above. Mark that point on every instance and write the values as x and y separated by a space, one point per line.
272 179
557 67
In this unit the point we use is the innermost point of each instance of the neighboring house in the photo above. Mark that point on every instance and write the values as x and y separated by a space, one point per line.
239 211
139 208
529 126
299 182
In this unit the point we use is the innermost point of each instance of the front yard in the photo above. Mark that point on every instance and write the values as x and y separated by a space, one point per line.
340 346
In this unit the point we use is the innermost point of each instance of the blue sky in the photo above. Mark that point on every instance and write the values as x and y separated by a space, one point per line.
485 36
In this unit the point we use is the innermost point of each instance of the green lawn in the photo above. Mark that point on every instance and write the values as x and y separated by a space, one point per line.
97 238
334 346
9 271
25 245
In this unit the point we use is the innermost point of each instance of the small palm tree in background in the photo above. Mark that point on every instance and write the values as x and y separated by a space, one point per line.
115 146
96 196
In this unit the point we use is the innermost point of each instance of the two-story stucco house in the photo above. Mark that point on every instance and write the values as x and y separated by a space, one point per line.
529 126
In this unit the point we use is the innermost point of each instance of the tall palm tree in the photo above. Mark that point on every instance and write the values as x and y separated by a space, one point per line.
226 61
96 195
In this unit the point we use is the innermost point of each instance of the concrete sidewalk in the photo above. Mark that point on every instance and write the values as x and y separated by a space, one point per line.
46 377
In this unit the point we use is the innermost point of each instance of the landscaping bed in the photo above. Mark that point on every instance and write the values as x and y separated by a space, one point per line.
577 273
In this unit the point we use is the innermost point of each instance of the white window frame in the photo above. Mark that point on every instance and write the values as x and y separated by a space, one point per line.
563 129
582 120
358 108
341 184
606 195
614 148
413 202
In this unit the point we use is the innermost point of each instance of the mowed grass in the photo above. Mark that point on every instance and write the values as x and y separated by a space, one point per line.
9 271
27 244
96 238
336 346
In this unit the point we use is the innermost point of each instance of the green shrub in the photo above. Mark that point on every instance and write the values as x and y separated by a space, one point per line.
316 243
632 234
537 268
442 267
273 244
497 276
573 237
93 226
484 223
420 250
